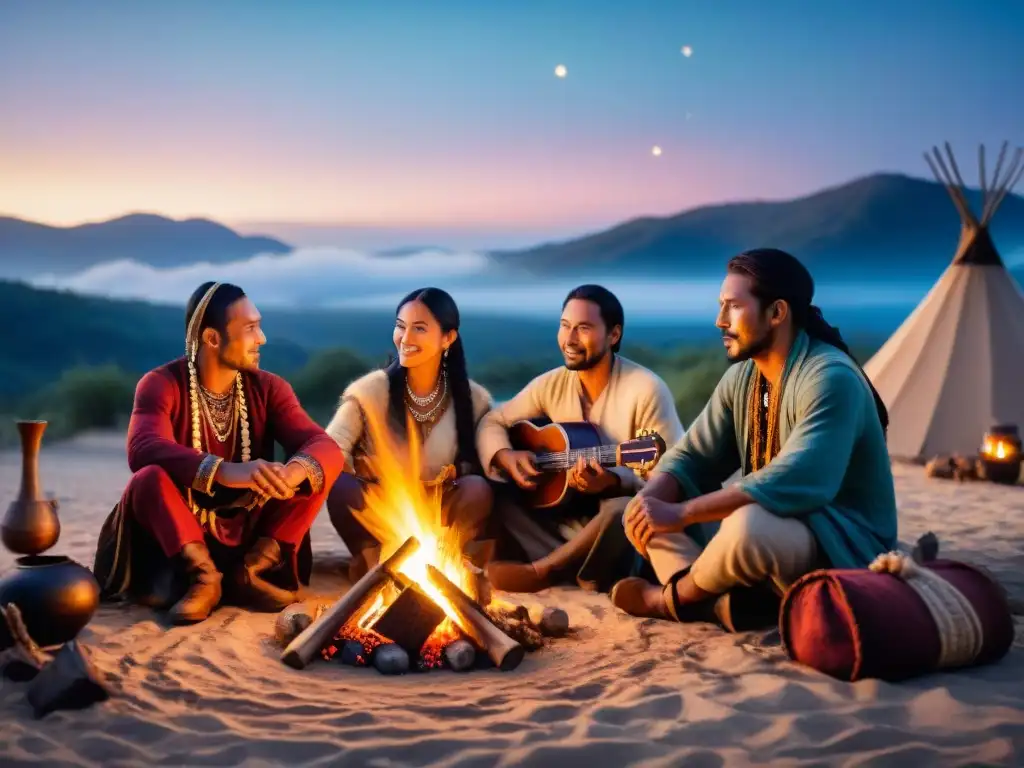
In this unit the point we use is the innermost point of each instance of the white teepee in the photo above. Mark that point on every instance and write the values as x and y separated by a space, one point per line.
955 367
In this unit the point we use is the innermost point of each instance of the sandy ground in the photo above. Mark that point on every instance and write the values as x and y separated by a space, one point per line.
625 691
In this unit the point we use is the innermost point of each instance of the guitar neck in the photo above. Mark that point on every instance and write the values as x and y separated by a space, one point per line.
606 455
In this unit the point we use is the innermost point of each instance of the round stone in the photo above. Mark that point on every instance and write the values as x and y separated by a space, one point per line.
291 622
353 653
554 622
391 659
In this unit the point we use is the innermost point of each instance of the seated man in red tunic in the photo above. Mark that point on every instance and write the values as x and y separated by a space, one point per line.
208 512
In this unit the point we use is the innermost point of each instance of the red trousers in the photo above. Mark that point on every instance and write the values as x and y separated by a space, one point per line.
158 505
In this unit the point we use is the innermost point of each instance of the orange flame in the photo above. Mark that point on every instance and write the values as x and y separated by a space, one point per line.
998 449
399 505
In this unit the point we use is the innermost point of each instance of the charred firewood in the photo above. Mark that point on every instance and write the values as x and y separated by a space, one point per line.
460 655
410 620
516 623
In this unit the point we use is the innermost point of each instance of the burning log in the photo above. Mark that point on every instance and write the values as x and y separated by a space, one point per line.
505 652
311 640
410 620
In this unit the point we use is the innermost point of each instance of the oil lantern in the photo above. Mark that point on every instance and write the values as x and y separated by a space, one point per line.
1001 454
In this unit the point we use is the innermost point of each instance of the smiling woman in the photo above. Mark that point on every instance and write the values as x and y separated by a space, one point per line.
426 389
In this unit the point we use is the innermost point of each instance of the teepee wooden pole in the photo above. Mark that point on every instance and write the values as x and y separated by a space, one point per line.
944 181
981 176
955 189
1016 168
956 169
996 183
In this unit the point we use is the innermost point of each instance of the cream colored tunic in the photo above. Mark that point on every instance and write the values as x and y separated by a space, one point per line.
370 392
634 399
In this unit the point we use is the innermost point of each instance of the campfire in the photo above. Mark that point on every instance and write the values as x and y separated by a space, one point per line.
425 605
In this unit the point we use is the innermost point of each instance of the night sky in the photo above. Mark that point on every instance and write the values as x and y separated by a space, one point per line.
449 114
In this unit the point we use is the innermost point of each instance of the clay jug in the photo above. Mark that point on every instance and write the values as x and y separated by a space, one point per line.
31 524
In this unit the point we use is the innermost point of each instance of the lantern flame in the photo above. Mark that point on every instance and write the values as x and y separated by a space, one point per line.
996 448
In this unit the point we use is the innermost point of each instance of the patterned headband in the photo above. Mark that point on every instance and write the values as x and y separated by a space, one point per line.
192 333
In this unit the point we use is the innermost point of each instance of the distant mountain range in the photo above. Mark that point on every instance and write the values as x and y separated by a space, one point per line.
886 225
28 248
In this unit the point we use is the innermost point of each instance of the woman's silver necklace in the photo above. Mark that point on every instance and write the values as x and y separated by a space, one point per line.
429 415
423 402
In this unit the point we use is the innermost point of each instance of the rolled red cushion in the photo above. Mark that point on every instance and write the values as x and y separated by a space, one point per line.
856 624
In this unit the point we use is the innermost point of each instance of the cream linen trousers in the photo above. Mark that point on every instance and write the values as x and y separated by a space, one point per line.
751 546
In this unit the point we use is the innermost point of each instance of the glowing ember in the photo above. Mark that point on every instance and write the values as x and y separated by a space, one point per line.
431 655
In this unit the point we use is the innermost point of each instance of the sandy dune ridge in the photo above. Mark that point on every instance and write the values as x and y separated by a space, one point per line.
622 692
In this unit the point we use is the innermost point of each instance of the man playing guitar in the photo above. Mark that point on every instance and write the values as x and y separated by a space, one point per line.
622 400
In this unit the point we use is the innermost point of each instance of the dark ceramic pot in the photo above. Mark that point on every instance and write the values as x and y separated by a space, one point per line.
56 596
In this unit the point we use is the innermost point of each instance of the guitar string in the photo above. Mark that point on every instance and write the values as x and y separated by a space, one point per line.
567 459
601 451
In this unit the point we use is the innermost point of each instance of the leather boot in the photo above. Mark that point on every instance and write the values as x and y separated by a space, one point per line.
250 589
748 609
518 577
204 586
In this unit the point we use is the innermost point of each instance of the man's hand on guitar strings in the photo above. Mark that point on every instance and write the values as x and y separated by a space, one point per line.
591 477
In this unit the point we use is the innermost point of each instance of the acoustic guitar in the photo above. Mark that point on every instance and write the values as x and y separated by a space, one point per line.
558 445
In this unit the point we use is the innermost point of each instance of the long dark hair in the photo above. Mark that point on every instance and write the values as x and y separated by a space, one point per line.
776 275
442 306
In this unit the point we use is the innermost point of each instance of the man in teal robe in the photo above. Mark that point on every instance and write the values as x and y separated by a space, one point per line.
797 418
